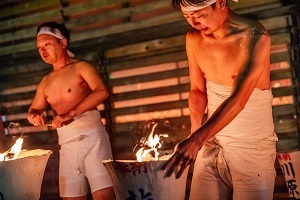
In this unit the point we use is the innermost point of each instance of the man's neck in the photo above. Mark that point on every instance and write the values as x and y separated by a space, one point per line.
225 28
63 62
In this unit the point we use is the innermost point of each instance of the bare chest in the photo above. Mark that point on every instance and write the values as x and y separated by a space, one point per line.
221 62
64 86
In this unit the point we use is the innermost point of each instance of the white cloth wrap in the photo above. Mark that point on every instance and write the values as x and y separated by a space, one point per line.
84 145
242 155
204 4
83 125
255 121
47 30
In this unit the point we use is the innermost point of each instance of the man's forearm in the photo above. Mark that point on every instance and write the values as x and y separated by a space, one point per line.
197 105
89 103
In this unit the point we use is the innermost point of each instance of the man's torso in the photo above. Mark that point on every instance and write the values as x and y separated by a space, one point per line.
222 59
65 88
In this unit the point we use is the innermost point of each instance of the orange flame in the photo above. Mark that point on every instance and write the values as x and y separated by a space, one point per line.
14 150
151 144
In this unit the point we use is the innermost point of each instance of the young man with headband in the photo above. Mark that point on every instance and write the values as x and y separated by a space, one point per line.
235 149
73 90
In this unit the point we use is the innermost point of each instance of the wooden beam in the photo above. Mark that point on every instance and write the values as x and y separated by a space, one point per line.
86 6
33 19
151 92
288 109
146 61
281 38
283 91
27 7
149 77
150 108
119 28
276 22
108 15
286 126
154 45
246 4
281 74
280 57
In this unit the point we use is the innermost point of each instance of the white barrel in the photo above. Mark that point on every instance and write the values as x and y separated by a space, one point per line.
290 166
21 179
145 180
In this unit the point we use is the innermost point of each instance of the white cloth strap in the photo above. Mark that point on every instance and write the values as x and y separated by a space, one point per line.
204 4
56 33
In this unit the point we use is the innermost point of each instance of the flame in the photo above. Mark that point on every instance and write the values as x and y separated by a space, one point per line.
13 152
149 149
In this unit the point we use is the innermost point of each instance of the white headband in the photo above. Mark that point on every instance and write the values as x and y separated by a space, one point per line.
56 33
204 4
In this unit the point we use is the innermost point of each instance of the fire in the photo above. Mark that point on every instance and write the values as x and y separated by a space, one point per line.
13 152
150 145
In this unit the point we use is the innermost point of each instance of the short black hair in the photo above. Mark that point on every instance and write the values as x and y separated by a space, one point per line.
54 25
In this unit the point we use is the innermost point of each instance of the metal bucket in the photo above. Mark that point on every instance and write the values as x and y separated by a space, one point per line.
21 179
145 180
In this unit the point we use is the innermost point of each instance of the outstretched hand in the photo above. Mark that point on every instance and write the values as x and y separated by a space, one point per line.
185 153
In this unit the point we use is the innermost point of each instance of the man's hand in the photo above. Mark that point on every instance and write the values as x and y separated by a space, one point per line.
185 154
62 120
36 119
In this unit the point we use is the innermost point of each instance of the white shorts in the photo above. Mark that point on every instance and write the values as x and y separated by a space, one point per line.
246 167
81 165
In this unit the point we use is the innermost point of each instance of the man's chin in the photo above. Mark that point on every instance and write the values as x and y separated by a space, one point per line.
47 61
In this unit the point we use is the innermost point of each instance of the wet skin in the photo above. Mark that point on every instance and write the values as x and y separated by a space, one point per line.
228 49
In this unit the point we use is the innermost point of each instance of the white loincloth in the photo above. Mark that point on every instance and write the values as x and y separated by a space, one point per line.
241 156
84 145
83 125
255 121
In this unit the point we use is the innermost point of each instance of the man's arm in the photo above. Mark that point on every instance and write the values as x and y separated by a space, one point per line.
244 84
35 114
197 97
99 93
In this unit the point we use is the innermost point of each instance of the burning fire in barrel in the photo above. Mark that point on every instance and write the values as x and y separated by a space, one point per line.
21 172
143 178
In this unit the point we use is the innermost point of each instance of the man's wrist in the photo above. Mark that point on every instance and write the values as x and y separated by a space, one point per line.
72 113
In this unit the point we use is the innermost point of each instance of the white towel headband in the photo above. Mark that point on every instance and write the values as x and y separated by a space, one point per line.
56 33
199 6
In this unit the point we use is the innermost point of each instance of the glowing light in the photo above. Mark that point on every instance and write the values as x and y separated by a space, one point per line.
150 145
13 152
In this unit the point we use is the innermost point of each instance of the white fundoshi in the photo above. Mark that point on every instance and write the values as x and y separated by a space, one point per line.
56 33
194 7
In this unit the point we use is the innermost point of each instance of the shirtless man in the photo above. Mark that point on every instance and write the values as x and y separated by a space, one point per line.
73 89
235 149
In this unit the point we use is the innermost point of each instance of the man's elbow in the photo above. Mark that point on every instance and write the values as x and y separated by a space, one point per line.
105 94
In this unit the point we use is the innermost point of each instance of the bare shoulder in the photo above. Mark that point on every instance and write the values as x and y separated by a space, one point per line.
83 65
253 28
44 80
192 36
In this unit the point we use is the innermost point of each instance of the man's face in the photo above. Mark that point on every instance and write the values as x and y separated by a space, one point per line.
204 20
49 47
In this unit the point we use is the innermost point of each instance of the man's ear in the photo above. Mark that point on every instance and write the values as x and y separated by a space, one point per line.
221 4
64 43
